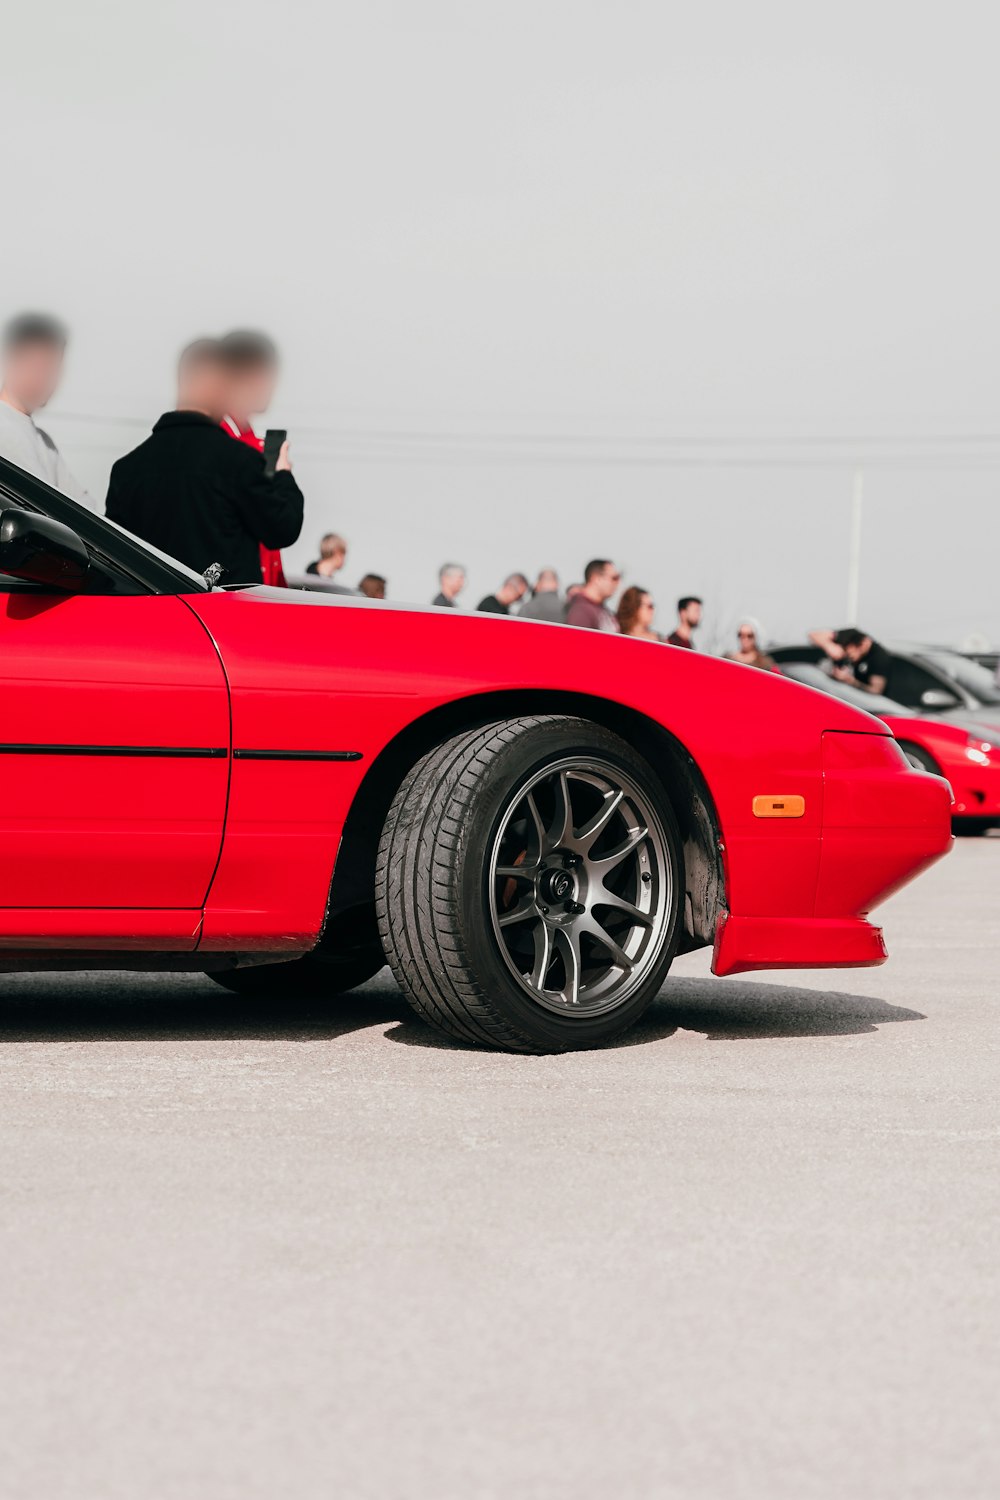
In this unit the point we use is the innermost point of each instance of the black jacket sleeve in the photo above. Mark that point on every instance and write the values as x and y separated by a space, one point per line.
112 507
271 509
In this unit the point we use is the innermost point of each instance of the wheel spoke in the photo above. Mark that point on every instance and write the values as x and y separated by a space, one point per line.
595 826
519 913
560 831
536 819
568 939
594 929
515 872
637 917
608 862
543 956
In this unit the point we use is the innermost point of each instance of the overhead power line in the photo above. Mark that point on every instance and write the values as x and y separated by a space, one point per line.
423 445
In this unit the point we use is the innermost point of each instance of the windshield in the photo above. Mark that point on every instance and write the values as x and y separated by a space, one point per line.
163 557
971 675
104 537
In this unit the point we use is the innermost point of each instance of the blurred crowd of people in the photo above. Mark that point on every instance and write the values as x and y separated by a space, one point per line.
585 604
588 606
208 490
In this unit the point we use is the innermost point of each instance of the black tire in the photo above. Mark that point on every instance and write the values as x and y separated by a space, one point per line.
971 828
319 974
920 758
436 878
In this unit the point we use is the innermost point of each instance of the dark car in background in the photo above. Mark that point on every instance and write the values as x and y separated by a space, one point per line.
927 680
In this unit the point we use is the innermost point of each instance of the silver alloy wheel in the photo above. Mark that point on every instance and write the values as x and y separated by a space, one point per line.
580 886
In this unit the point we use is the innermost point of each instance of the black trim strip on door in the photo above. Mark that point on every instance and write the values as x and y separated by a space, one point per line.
297 755
161 752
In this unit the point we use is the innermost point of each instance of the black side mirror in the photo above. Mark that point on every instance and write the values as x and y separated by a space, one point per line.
41 550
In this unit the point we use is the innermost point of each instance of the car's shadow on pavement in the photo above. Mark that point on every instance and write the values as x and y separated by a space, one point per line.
181 1007
124 1007
730 1010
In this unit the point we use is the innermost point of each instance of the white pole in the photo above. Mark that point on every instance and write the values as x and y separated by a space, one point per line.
854 563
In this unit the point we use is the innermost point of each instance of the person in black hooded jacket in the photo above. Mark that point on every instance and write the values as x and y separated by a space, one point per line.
195 494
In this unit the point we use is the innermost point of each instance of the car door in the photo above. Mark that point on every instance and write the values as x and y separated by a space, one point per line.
114 762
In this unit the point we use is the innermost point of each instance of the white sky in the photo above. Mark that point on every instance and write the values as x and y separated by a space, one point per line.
572 232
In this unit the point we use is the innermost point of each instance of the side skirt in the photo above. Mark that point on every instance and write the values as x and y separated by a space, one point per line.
48 962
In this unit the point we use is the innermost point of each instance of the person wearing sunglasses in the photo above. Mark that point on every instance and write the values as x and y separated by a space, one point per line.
589 606
749 651
636 612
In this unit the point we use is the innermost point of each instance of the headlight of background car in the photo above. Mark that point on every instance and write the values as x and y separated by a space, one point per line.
981 751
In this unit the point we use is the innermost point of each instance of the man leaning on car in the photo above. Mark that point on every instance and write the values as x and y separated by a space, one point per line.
856 658
197 495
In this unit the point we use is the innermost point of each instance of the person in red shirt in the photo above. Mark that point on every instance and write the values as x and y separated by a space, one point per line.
253 363
589 605
688 620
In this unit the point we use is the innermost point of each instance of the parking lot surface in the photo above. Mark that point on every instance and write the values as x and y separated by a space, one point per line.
312 1249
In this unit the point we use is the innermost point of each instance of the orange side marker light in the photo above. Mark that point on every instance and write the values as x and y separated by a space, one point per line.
779 807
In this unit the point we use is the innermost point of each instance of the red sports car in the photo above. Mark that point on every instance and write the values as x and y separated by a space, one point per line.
527 821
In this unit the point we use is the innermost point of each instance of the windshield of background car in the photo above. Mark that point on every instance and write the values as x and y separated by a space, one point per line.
815 677
975 678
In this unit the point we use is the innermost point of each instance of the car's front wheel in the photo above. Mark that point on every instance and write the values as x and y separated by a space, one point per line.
529 885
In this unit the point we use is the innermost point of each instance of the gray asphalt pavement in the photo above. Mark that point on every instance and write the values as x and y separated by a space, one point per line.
296 1250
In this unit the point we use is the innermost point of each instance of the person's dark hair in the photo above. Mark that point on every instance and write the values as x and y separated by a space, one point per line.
849 636
34 328
245 349
688 599
629 605
373 586
200 352
518 578
595 566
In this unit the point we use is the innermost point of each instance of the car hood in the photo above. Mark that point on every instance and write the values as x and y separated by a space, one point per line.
298 636
975 720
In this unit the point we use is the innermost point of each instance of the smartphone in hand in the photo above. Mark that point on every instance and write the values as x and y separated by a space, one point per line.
273 439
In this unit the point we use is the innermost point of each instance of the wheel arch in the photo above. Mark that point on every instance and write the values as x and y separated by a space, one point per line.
905 744
352 892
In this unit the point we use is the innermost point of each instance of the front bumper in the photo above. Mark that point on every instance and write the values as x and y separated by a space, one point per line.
745 943
976 789
883 823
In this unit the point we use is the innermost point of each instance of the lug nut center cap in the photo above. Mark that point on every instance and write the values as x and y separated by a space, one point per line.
557 885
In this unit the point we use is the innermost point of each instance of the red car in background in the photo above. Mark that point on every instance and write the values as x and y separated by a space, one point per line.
964 751
527 821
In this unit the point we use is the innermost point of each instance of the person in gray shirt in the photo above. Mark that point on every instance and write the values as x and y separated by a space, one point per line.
452 581
545 602
34 347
